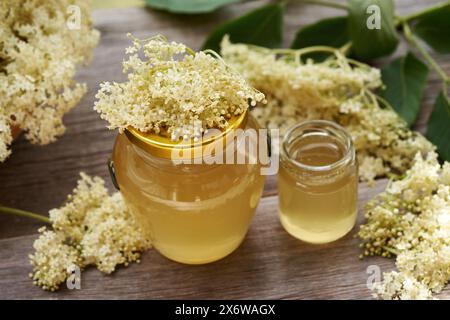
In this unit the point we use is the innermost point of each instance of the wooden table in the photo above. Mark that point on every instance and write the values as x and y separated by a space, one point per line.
269 264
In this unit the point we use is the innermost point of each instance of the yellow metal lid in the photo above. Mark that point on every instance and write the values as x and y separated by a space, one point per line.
163 146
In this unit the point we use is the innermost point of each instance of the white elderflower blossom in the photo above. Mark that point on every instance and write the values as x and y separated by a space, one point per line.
52 259
87 196
175 90
339 90
111 239
5 136
400 286
38 55
411 220
91 228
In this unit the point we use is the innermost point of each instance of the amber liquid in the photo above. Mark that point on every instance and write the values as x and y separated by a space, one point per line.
317 206
195 213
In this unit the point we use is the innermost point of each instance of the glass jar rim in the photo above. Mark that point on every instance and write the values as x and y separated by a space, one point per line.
348 156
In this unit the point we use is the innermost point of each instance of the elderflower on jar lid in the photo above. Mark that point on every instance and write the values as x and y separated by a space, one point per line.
174 94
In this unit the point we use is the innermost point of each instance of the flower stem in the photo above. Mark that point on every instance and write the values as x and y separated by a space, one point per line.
391 250
414 42
416 15
326 3
22 213
345 48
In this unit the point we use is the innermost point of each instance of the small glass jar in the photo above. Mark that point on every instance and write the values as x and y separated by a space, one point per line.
318 182
194 213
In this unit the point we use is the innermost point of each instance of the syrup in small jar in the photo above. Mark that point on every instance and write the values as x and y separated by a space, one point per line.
318 182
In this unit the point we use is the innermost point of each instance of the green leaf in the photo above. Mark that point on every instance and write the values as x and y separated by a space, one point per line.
188 6
405 79
434 29
371 28
327 32
263 27
439 126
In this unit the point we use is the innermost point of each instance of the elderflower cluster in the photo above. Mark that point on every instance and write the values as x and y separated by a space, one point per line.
52 259
38 55
411 220
339 90
401 286
172 90
91 228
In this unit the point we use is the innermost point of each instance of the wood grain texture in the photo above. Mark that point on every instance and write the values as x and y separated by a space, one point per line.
269 264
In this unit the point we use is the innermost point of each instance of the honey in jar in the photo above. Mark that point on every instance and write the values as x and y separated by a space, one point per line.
194 213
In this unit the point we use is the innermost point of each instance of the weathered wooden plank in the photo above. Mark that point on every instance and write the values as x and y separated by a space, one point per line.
269 264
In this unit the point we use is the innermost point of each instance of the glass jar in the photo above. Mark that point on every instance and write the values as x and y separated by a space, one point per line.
318 182
194 213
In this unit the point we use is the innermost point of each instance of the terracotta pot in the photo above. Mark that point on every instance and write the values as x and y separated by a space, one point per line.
15 132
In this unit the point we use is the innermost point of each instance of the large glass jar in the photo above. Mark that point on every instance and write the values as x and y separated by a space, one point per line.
194 213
